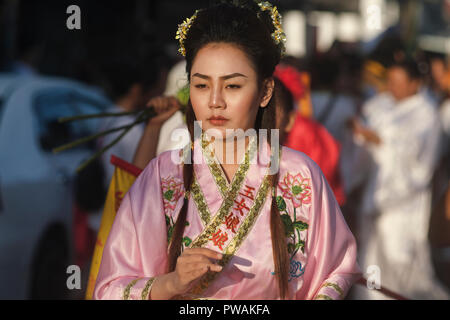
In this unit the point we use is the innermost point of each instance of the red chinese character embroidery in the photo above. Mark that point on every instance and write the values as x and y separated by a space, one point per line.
231 221
219 238
248 192
240 206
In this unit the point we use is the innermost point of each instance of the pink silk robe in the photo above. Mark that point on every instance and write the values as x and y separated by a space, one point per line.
321 247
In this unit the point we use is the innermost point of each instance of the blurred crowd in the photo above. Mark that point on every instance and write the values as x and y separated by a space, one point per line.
378 125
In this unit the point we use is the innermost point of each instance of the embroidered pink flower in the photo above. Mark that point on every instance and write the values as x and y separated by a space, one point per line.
172 190
296 188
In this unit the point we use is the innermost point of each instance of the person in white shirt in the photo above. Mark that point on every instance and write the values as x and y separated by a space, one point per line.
176 81
402 137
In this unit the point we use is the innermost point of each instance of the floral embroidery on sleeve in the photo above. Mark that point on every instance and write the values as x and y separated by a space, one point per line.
172 190
297 189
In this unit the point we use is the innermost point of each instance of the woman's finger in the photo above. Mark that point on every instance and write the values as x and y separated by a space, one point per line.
192 258
199 270
203 251
191 267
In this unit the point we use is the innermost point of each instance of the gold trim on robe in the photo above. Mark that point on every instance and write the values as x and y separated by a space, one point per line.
335 287
238 239
240 236
214 168
323 297
217 171
147 288
219 179
227 203
126 292
199 200
244 227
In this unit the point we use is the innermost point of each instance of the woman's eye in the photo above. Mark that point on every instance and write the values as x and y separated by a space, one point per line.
233 86
200 86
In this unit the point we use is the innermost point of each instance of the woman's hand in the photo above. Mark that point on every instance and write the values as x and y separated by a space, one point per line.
192 264
165 107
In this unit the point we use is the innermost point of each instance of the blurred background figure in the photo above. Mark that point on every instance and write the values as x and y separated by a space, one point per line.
403 141
161 132
439 233
29 52
129 82
439 81
336 96
333 86
175 87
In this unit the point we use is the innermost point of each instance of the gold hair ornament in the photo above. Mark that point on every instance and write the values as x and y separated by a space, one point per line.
278 35
183 29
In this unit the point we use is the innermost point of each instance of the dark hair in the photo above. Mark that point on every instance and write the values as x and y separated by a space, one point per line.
245 25
285 104
240 26
410 66
121 72
389 48
431 56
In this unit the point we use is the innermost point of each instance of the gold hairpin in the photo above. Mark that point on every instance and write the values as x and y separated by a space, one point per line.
182 31
278 35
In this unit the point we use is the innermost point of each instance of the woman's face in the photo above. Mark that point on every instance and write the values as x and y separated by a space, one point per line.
224 89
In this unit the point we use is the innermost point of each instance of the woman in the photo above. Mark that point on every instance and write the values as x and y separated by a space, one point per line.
217 230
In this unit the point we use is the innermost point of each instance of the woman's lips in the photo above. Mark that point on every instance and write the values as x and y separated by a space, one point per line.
217 120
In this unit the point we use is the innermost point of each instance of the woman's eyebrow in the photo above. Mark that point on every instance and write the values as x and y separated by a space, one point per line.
229 76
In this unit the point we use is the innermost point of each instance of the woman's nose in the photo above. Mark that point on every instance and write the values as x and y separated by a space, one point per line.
216 98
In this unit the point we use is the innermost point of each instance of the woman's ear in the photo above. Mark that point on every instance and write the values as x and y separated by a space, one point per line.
268 89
